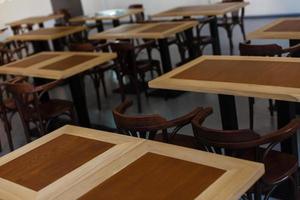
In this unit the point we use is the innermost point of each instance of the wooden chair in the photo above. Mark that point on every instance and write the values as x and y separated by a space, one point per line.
154 127
246 144
10 52
199 40
246 49
34 111
97 73
8 109
139 17
229 22
129 65
65 21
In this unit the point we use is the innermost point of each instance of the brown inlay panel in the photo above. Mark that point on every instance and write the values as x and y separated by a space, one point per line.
49 31
32 61
155 176
69 62
286 26
199 8
51 161
125 28
271 73
159 28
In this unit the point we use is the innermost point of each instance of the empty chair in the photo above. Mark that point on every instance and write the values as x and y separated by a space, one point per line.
139 17
128 65
98 72
229 22
246 144
34 111
8 109
154 127
248 49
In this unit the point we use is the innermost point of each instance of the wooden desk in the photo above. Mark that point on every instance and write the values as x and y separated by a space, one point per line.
159 31
205 10
115 15
35 20
263 77
110 165
40 37
286 28
61 65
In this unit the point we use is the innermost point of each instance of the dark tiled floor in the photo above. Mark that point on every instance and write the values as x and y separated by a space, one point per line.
170 108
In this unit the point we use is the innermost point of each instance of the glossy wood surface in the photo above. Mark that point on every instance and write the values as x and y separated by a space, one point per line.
35 20
284 28
148 30
47 167
264 77
51 161
202 10
154 176
48 33
56 65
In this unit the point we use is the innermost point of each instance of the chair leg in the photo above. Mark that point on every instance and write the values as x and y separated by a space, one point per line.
243 31
103 85
121 86
7 128
137 89
271 107
251 112
229 35
96 83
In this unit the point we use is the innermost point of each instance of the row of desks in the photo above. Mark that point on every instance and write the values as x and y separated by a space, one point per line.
78 163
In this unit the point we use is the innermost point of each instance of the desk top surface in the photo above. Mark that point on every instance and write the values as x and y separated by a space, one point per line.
74 162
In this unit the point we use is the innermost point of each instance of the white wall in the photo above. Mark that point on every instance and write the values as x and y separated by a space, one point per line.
256 7
18 9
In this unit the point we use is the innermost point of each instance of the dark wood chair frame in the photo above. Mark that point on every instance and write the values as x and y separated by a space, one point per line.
96 74
29 103
238 143
230 22
153 127
127 65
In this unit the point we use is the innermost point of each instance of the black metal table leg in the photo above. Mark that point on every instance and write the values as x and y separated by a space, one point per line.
39 46
99 24
165 55
293 43
214 31
58 44
193 52
286 111
228 112
116 22
41 25
79 100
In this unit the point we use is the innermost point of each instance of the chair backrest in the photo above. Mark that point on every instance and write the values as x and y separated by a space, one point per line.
236 15
23 93
126 56
139 17
223 142
146 126
65 20
86 47
260 50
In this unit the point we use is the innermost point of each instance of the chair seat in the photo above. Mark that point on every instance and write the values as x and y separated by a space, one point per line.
278 165
51 109
10 104
180 140
146 65
101 68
